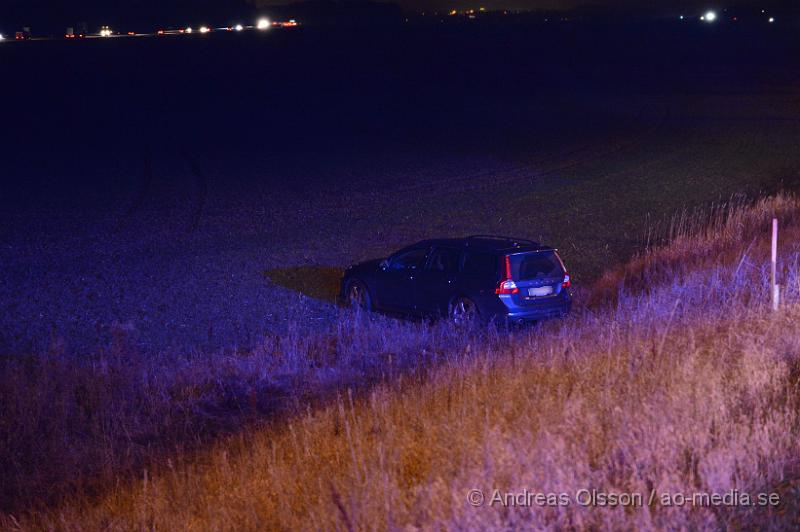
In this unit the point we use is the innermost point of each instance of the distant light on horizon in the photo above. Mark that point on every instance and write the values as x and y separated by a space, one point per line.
711 16
238 27
263 24
771 20
204 29
189 29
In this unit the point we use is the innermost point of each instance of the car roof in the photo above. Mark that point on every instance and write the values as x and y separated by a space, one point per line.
488 243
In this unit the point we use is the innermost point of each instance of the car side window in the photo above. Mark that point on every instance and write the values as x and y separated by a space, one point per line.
409 260
444 260
479 264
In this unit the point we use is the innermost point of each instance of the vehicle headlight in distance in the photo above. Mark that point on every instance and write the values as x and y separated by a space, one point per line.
263 24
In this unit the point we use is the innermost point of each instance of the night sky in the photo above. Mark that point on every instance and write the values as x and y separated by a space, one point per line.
550 4
12 6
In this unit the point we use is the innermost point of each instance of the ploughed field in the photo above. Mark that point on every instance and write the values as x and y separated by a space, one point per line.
197 194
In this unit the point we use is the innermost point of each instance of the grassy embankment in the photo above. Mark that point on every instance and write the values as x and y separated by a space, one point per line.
677 378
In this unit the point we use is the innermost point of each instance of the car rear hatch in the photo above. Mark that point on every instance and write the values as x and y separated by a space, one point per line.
533 278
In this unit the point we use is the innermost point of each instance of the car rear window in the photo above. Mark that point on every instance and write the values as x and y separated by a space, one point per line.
481 264
535 265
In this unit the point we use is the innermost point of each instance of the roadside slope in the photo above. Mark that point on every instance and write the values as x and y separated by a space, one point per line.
684 381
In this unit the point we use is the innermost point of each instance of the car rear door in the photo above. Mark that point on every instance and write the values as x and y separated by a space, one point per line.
436 284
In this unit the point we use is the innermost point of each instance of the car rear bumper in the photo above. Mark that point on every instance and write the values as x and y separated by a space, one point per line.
555 308
538 315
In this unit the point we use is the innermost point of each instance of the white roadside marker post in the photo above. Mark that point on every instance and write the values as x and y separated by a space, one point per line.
776 294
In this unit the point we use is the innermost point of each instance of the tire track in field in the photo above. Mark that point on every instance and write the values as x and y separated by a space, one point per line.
637 140
201 181
623 147
145 190
145 185
470 181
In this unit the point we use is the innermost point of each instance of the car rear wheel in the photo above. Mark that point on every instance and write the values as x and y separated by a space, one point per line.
463 311
358 296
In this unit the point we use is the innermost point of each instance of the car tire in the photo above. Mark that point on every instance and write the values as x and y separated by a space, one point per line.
463 312
357 296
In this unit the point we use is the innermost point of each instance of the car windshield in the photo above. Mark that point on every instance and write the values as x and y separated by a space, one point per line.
535 265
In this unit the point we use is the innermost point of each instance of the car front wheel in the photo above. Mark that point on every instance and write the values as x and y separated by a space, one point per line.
358 296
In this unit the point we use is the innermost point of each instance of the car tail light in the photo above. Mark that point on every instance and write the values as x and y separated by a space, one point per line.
507 285
567 282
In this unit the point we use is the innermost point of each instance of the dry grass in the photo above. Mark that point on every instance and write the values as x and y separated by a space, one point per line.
702 239
688 386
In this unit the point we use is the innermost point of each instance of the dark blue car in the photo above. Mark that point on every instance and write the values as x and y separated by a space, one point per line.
483 278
